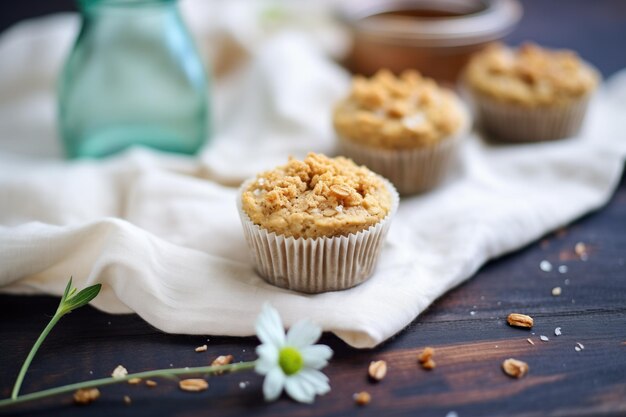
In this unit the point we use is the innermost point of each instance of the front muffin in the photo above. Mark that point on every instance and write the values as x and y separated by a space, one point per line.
318 224
405 128
530 93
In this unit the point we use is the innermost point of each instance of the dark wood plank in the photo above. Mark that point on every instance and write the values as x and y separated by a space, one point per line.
469 347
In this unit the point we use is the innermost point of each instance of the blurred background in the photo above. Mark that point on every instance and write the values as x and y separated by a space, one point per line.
597 31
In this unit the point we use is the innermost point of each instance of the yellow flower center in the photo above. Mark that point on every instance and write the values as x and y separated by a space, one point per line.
290 360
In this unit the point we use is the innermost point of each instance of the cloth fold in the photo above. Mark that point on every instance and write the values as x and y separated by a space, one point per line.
161 232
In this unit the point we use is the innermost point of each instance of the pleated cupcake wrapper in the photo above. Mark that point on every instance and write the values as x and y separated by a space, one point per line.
316 265
513 123
410 170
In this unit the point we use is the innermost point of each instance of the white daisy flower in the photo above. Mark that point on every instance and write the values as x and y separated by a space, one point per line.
290 361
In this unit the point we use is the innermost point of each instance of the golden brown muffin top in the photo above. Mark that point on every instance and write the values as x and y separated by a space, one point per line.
317 197
530 75
404 112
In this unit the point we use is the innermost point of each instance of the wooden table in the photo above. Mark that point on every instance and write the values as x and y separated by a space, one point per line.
467 326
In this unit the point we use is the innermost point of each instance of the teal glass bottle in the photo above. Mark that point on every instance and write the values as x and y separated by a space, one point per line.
133 77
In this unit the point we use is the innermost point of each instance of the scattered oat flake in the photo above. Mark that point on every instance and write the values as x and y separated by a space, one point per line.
86 395
377 370
151 383
556 291
520 320
452 414
134 381
580 248
202 348
222 360
530 341
243 384
576 348
580 345
119 372
362 398
544 338
563 269
472 313
193 384
545 266
557 331
515 368
127 400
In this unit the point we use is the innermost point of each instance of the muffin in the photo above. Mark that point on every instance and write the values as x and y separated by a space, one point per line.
529 94
405 128
318 224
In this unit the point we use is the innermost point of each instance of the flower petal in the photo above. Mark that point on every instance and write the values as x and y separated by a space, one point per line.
269 327
316 356
263 366
268 352
303 333
299 389
273 384
316 379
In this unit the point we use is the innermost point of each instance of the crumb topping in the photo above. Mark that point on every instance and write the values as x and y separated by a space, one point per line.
530 75
318 196
401 112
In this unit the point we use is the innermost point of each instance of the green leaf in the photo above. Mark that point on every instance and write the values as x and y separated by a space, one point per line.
67 290
81 299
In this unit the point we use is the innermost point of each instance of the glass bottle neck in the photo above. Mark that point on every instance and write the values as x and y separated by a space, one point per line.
97 4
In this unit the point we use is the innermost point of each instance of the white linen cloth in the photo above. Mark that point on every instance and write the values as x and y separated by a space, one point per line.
162 234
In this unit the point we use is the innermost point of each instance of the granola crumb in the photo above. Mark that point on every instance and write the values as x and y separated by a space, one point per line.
362 398
193 384
150 383
429 364
426 354
221 361
127 400
134 381
515 368
377 370
86 395
520 320
119 372
202 348
556 291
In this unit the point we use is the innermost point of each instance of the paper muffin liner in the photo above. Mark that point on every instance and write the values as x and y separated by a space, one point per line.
316 265
410 170
509 122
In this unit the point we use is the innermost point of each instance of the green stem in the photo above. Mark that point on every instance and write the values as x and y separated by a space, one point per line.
158 373
33 351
